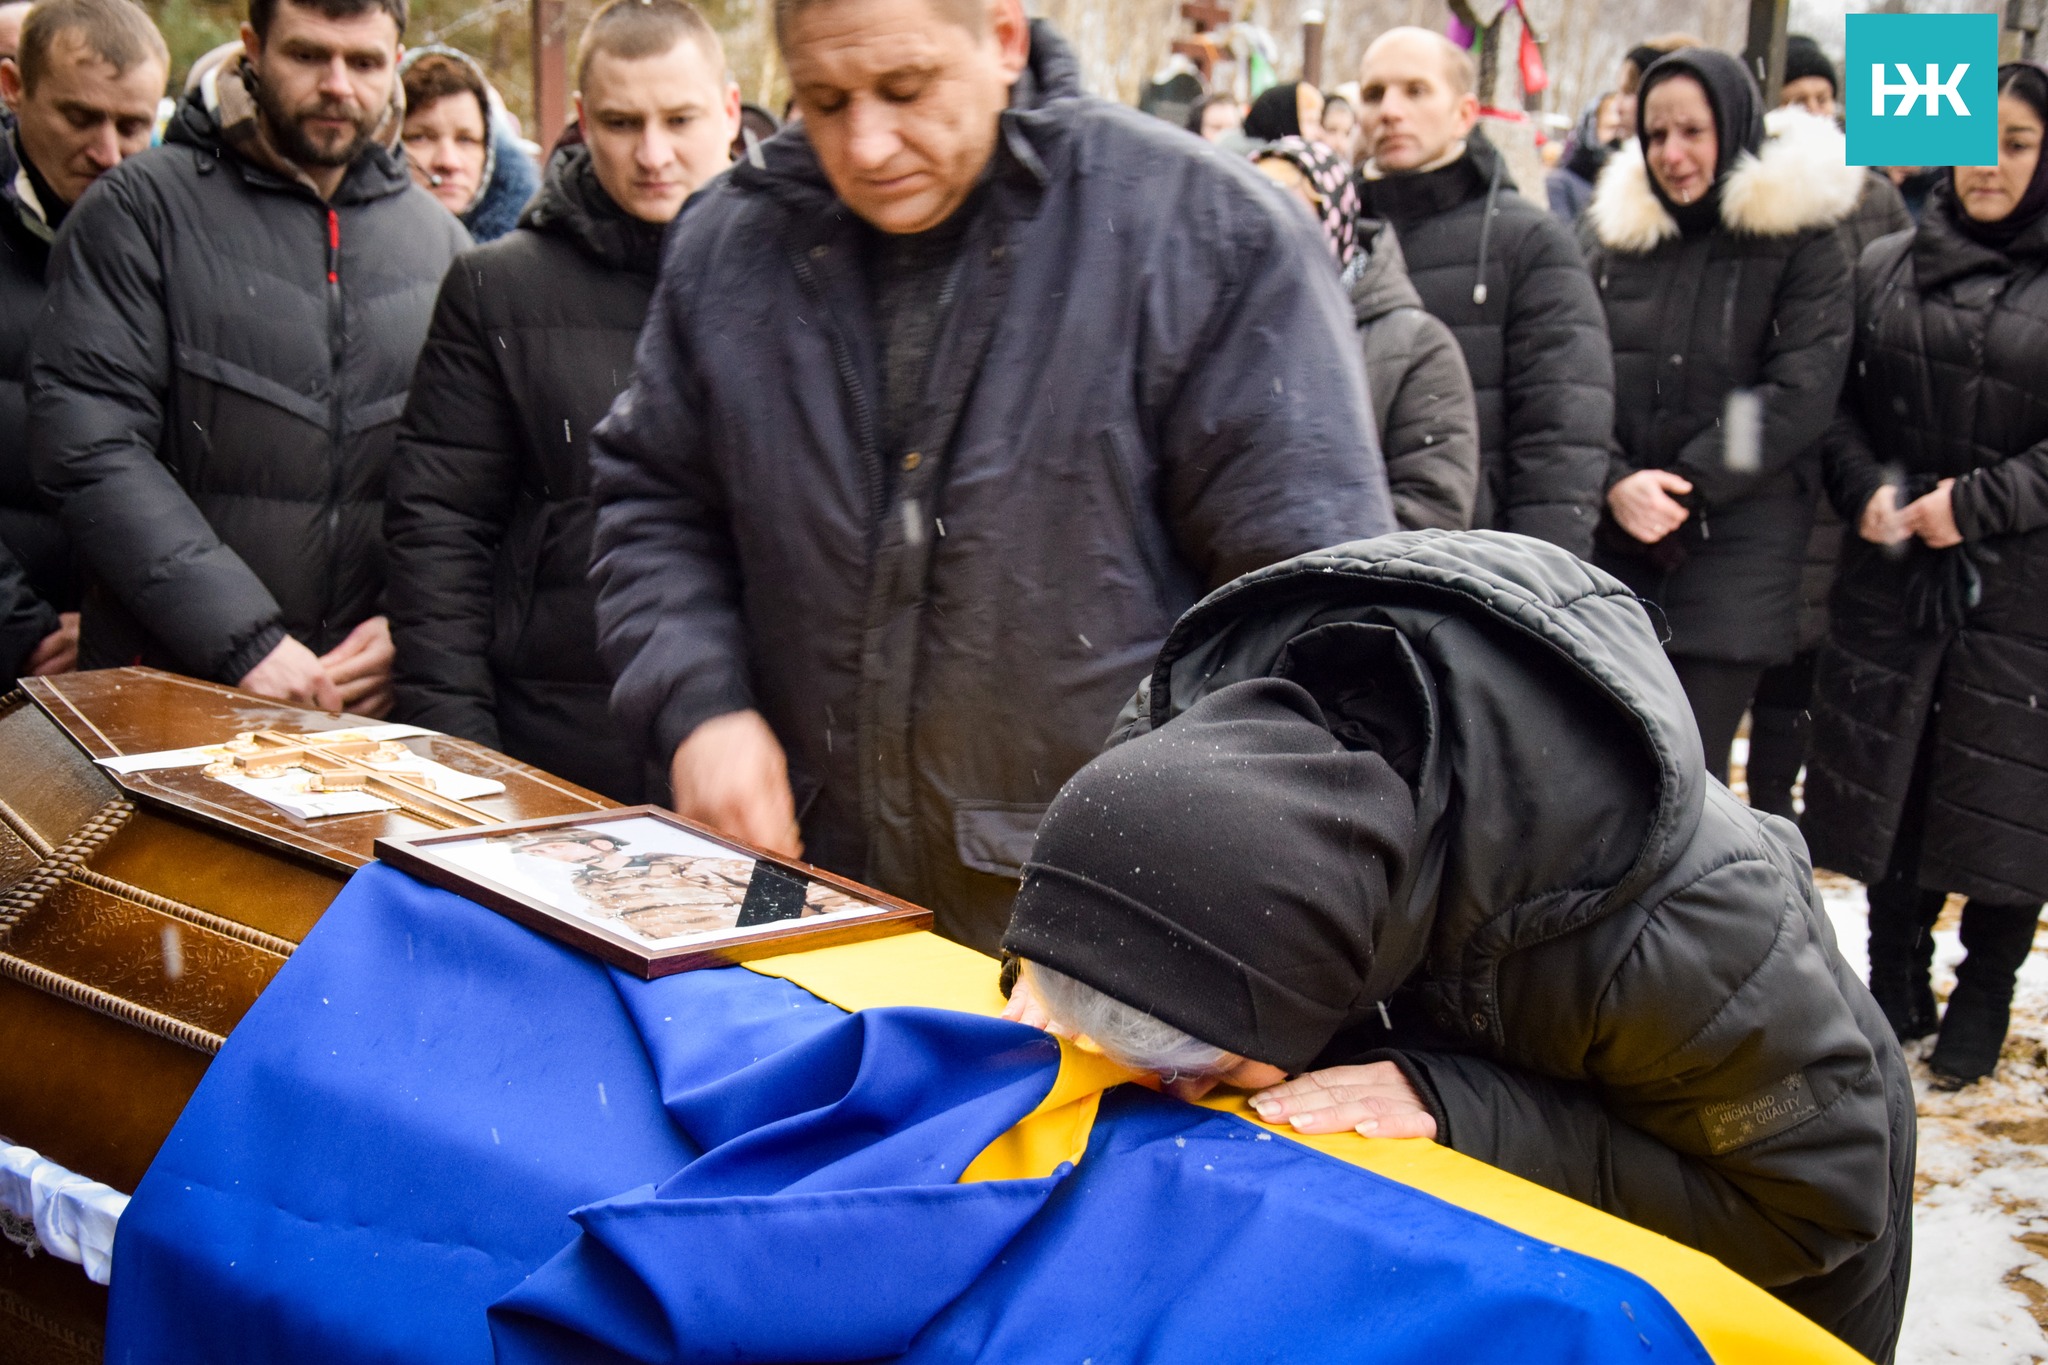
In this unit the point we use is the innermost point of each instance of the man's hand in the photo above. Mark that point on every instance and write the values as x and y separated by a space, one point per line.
293 673
732 775
58 652
1374 1099
1881 523
1933 517
360 667
1642 503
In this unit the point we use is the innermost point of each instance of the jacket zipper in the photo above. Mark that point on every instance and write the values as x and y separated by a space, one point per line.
849 379
335 345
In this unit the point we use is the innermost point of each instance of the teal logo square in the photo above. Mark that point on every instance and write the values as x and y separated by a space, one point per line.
1921 89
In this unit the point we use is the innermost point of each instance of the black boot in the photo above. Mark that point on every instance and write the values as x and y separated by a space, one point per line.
1777 749
1997 939
1902 919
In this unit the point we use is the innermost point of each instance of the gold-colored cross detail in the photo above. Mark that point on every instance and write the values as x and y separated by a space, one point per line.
343 765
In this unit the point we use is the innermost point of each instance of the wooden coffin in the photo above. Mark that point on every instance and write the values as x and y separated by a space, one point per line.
141 915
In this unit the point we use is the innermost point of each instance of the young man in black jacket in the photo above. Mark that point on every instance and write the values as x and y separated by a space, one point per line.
232 322
488 515
1423 822
1506 277
944 410
82 90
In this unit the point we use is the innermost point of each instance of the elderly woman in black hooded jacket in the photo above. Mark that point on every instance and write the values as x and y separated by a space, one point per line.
1929 772
1726 291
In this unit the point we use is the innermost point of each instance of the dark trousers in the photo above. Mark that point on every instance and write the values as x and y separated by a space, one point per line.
1779 723
1719 693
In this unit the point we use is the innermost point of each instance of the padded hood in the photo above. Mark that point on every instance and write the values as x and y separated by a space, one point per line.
1559 770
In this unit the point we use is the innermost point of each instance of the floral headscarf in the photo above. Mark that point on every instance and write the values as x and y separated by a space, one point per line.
1337 205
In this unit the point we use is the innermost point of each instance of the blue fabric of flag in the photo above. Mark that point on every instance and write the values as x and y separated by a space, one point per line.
432 1111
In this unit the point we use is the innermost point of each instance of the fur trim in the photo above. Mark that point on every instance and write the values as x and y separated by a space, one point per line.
1802 180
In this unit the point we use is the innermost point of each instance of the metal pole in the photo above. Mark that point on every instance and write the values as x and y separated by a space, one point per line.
1764 53
550 70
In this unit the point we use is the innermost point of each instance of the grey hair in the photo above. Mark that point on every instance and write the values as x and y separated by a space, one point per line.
1125 1034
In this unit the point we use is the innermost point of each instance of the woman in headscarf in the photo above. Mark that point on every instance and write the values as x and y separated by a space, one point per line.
1726 292
461 144
1291 110
1421 391
1929 772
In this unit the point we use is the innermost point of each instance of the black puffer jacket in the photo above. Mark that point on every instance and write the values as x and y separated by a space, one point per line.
216 391
1149 385
1505 276
489 513
1609 976
1421 395
1758 303
1879 212
1950 367
28 524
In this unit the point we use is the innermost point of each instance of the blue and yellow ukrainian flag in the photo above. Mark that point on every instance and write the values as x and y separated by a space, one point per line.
440 1138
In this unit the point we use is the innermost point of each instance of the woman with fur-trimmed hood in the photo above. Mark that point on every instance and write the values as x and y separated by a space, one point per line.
1727 297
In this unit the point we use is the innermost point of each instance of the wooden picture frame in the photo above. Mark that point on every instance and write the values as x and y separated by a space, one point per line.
680 903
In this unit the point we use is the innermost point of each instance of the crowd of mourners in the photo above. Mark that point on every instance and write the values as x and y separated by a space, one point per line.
844 510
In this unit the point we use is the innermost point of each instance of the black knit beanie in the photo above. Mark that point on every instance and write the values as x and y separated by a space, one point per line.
1804 58
1224 873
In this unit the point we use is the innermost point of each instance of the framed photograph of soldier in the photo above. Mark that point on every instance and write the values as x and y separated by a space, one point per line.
649 892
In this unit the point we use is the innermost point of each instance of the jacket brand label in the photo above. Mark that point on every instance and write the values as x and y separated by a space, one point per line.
1752 1118
1921 89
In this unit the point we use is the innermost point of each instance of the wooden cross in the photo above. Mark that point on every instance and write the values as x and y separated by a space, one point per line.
343 765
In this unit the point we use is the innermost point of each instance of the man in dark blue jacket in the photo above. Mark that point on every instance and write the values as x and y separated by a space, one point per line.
946 406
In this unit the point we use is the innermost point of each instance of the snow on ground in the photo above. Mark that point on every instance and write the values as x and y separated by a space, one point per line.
1980 1221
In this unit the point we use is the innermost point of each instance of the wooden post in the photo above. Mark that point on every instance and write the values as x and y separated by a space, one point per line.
1312 48
1764 52
550 70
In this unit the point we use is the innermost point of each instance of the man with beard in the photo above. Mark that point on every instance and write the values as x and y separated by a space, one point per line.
231 329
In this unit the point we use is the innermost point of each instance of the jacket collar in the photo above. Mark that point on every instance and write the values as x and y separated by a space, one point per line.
23 199
1378 275
1800 180
1942 254
221 117
572 205
1407 198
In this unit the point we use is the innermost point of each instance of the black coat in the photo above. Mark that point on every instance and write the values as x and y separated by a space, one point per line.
1757 303
1149 385
1607 959
1506 277
28 524
1421 396
489 514
215 392
1879 212
1951 365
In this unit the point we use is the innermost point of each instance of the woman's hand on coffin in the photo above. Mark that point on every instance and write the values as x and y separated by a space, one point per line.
1374 1099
